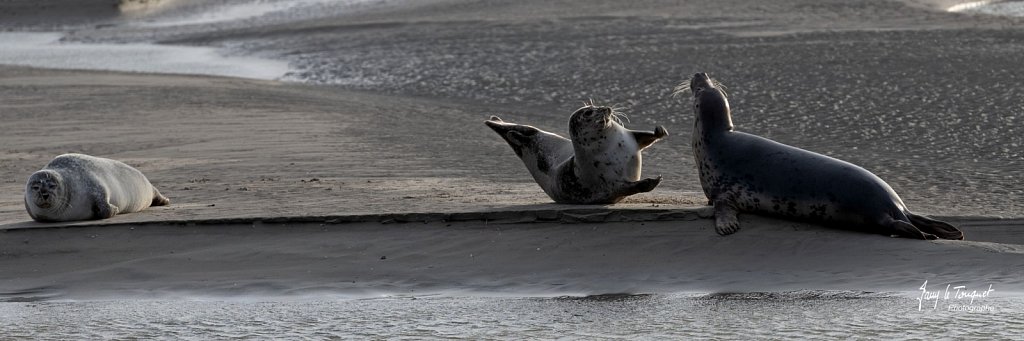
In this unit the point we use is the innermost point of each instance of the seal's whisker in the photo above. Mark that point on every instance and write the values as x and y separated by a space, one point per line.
682 88
615 119
618 115
721 87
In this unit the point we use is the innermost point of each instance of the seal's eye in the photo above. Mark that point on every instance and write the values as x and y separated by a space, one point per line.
35 187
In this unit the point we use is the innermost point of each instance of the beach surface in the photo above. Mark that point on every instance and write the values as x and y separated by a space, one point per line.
368 171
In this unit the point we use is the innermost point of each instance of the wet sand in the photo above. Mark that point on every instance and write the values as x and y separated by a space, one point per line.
499 257
55 14
267 178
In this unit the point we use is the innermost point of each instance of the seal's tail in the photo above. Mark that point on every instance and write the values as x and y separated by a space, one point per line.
939 228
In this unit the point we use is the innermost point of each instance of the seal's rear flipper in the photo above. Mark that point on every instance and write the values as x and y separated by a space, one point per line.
646 185
159 199
905 229
516 135
646 138
939 228
502 128
635 187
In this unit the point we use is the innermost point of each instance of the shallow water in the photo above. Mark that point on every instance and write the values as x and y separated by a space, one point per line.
170 13
45 49
786 316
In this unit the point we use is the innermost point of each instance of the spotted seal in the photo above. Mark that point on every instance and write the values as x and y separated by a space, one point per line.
599 164
749 173
82 187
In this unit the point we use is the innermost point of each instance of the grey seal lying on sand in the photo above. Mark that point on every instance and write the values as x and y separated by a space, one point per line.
82 187
749 173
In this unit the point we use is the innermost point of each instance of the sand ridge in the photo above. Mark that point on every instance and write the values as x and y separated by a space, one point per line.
283 190
284 260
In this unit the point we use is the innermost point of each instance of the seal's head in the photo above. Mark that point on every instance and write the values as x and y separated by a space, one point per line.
710 102
46 190
590 123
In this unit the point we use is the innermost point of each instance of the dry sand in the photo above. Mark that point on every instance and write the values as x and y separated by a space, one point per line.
225 148
287 189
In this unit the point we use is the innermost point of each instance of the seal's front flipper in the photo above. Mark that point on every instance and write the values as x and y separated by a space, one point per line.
101 209
939 228
646 138
726 222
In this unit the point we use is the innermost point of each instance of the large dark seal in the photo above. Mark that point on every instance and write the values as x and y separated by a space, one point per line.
82 187
744 172
600 164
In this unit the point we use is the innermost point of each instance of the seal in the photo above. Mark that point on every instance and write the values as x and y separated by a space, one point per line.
82 187
741 172
599 164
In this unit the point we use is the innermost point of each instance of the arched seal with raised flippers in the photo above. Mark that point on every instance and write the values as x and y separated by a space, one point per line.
82 187
600 164
741 172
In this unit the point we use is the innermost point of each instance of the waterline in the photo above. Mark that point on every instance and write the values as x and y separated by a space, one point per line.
45 50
